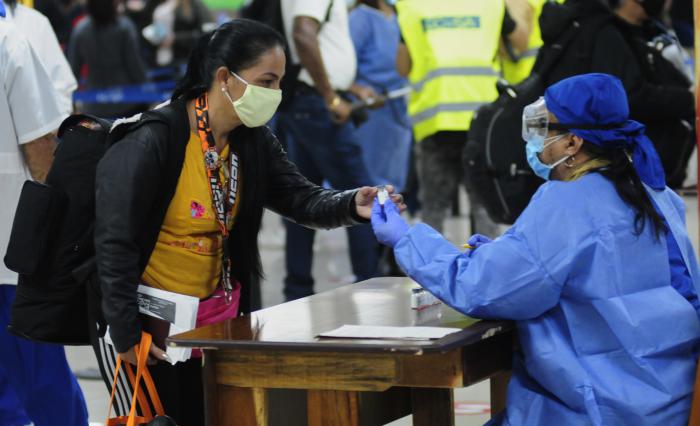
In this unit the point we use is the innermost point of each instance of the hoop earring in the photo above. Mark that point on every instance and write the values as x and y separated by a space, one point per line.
629 157
569 162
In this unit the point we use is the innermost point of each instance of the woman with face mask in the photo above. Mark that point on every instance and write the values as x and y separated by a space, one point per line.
598 272
179 204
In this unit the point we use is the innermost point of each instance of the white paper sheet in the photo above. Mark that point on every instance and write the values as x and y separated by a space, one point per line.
389 333
178 309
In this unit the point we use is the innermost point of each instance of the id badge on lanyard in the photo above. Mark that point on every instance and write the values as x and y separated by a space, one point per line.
224 202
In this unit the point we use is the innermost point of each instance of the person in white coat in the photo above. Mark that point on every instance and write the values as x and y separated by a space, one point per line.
36 384
41 36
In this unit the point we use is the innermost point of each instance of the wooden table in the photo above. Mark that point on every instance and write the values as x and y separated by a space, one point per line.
347 382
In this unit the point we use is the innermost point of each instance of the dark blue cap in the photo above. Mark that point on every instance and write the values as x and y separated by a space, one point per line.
598 104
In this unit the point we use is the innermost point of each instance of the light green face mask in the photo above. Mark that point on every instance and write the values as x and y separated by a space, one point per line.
257 105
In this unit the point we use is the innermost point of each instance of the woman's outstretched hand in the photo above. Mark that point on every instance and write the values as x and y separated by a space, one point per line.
366 195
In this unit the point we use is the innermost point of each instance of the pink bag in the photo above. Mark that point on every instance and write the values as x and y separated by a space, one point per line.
214 309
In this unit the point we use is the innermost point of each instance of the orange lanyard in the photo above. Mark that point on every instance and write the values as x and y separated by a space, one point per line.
225 205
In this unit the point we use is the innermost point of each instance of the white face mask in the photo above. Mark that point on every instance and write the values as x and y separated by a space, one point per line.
257 105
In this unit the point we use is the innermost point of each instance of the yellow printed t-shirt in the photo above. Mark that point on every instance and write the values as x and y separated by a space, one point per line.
187 255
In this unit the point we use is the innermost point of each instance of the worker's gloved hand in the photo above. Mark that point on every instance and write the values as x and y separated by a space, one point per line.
387 223
476 241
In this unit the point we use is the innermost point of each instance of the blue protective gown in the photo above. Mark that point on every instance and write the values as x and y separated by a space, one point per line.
387 134
605 337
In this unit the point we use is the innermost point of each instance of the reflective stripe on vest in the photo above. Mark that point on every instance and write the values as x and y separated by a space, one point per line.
453 46
455 71
516 71
530 53
432 112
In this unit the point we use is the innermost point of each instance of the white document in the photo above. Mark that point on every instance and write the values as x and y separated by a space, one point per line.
177 309
389 333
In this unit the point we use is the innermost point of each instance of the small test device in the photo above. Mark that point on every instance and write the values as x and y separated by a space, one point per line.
382 195
421 299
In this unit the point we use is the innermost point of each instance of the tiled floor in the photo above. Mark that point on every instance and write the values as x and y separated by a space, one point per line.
331 269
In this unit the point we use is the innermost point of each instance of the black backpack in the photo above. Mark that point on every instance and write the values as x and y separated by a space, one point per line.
52 240
270 12
495 164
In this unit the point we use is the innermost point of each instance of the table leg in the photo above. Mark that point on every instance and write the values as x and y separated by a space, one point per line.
333 408
230 405
242 406
433 407
211 394
499 389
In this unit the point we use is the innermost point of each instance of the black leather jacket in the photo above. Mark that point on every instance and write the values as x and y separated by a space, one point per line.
136 180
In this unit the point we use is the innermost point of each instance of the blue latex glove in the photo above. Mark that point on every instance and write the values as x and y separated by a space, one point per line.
476 241
387 223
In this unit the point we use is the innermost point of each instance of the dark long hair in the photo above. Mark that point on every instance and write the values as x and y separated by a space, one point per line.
629 187
237 45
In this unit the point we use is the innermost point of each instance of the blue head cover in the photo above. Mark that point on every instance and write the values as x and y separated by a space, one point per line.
598 104
2 9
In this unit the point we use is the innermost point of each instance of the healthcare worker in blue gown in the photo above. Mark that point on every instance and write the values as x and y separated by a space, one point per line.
598 271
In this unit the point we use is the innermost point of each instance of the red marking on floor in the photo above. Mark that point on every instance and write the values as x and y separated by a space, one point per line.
472 408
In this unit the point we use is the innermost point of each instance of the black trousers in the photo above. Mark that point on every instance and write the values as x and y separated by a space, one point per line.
179 386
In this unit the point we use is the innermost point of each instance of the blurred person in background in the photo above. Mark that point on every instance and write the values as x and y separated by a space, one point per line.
517 64
682 18
37 29
140 12
106 44
36 384
633 44
191 19
319 138
386 136
663 99
63 15
177 24
451 62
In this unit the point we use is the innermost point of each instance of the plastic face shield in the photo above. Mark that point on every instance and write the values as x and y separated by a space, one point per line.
535 122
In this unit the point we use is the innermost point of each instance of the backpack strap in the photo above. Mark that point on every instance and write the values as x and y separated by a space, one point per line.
169 115
164 114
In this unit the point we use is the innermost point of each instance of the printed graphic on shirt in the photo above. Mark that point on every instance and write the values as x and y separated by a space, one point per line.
197 210
203 244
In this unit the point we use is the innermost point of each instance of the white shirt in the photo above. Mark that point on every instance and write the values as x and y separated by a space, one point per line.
29 109
337 50
37 28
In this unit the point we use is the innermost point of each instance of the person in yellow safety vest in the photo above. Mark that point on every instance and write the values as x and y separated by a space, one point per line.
516 64
449 54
